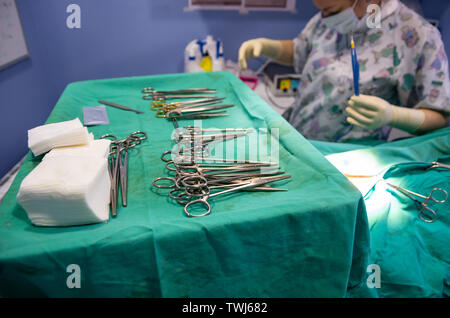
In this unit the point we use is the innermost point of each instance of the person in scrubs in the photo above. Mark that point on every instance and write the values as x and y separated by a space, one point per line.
404 78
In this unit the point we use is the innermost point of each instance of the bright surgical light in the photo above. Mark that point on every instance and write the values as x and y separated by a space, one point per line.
364 170
362 163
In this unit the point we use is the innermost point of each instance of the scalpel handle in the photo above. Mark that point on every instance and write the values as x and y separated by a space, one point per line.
104 102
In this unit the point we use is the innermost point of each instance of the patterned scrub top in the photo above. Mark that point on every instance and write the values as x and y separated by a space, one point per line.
403 62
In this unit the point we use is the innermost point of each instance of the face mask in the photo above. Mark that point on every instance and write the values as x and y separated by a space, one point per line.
344 22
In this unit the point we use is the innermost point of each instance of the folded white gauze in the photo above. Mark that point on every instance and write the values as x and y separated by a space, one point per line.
71 186
67 133
97 148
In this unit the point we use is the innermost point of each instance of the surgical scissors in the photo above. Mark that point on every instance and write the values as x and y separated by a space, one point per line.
215 174
191 185
227 183
203 200
437 195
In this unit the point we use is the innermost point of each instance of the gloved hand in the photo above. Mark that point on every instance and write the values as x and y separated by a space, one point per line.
256 47
372 112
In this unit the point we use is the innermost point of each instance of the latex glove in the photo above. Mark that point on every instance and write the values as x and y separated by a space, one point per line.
372 112
257 47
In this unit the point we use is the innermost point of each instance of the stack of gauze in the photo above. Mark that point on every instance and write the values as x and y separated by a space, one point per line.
67 133
71 186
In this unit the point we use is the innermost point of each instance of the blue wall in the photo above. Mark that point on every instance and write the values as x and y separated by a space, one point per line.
439 10
124 38
117 38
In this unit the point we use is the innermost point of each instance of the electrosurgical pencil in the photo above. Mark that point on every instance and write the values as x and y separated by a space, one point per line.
355 67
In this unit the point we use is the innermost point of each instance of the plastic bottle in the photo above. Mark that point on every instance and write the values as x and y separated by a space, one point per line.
206 63
219 60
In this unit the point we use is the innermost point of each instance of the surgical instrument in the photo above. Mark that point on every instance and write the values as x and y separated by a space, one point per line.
162 111
151 93
185 159
177 114
356 74
118 165
156 104
197 112
200 140
203 200
194 177
219 173
437 195
195 129
179 91
355 66
215 177
161 97
196 180
119 106
437 165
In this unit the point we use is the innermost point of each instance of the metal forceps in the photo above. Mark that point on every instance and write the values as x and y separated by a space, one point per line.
437 165
203 200
160 103
151 93
203 141
205 171
214 174
118 165
436 195
197 183
198 130
198 112
162 111
187 134
219 171
160 97
191 167
191 184
151 90
198 145
189 160
195 146
194 151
